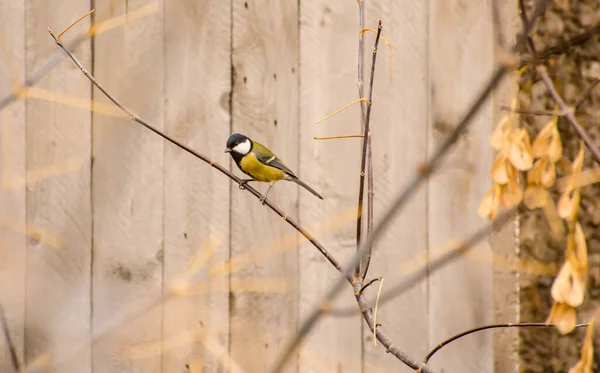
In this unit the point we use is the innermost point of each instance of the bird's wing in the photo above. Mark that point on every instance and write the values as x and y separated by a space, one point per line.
265 156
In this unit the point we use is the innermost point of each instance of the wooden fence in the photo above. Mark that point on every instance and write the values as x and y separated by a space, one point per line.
100 216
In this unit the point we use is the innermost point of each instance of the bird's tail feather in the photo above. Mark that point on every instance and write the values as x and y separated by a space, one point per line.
302 184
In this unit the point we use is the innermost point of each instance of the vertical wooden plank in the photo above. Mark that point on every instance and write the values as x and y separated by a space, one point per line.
12 161
265 108
460 294
128 187
329 39
399 145
197 90
58 279
504 242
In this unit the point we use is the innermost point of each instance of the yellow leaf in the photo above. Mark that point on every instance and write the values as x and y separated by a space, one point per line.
584 365
521 155
534 176
500 169
535 196
541 144
563 317
490 203
555 150
501 132
581 257
548 174
511 194
568 286
580 179
568 203
578 162
554 221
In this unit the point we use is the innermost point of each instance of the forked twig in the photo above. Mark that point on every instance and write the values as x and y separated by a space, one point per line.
581 133
204 158
400 201
434 265
365 286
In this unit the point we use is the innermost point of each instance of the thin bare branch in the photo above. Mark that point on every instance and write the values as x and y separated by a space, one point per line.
585 94
427 269
338 137
74 23
533 112
360 81
204 158
361 53
362 99
367 159
11 346
488 327
385 341
375 312
581 133
565 46
399 202
497 21
366 285
51 61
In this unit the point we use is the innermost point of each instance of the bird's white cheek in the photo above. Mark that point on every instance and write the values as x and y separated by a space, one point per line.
243 147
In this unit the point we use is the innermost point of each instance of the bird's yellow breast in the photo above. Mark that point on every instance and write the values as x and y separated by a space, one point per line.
259 171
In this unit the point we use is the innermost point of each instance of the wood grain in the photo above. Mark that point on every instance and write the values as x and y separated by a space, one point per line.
460 295
197 89
13 244
399 117
59 204
128 188
329 39
265 108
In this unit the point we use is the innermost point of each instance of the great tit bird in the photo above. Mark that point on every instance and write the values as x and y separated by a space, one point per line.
258 162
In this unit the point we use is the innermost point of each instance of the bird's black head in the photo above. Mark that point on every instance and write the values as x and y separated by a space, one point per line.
239 144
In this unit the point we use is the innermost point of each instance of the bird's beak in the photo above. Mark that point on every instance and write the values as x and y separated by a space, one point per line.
227 150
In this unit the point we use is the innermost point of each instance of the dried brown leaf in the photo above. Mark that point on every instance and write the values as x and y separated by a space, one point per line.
535 196
534 176
511 194
548 174
578 162
491 202
557 227
568 286
541 144
521 154
501 133
499 169
555 150
568 204
581 256
563 317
